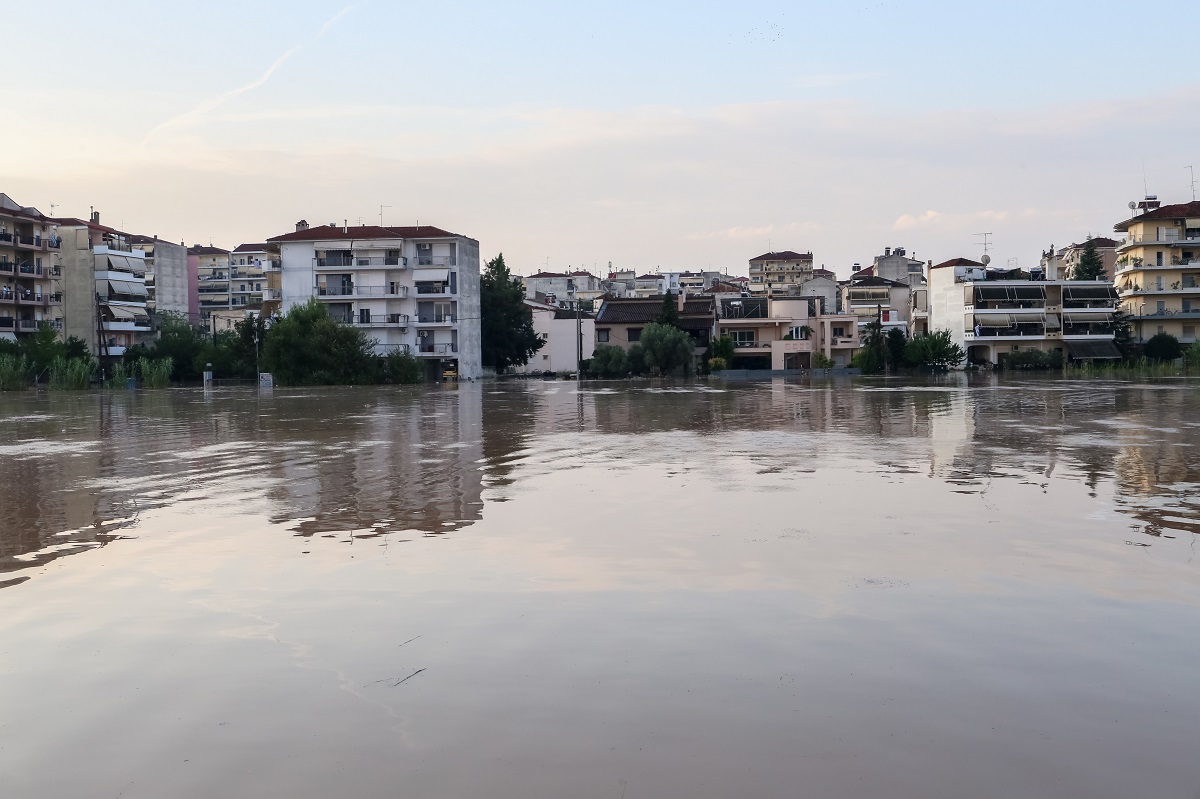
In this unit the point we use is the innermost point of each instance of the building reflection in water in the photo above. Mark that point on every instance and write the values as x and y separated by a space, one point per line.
80 471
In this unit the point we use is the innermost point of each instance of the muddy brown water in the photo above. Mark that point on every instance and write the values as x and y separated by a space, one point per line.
954 588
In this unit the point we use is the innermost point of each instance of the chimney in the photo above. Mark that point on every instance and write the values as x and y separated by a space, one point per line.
887 251
301 225
679 301
345 225
95 217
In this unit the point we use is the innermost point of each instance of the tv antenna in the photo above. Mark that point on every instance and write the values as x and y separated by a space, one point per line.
381 207
1189 168
987 245
55 205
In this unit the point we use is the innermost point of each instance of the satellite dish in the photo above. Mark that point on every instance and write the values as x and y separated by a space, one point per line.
987 259
1132 205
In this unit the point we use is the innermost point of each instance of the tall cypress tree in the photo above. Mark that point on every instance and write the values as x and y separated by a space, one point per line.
1090 266
506 330
669 315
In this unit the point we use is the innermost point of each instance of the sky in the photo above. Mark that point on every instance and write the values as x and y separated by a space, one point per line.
652 135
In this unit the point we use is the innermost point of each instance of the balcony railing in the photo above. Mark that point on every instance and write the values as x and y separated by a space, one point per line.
436 318
433 288
29 270
437 349
8 323
34 242
27 325
362 261
435 260
335 291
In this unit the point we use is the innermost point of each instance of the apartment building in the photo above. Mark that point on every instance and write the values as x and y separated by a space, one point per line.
211 266
249 268
411 289
873 298
556 288
620 321
1065 259
896 265
992 313
778 273
783 333
30 277
104 286
1158 269
563 334
168 282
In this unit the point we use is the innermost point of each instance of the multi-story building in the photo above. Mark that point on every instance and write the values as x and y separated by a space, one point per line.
412 289
695 282
783 333
895 265
564 333
873 299
30 279
620 321
556 288
778 273
1065 259
1158 269
211 265
992 313
104 286
249 268
167 279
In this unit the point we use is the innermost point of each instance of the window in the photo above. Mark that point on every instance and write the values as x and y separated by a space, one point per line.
602 335
545 357
1161 307
364 316
1158 258
839 331
1187 306
1189 331
742 338
635 334
1158 281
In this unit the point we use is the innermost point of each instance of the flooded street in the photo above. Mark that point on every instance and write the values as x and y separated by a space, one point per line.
984 588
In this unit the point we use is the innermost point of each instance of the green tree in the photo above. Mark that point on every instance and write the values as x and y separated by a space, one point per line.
896 342
506 323
1090 266
179 341
935 350
822 361
308 347
1162 347
1123 331
609 361
874 353
637 359
42 349
669 315
723 348
667 348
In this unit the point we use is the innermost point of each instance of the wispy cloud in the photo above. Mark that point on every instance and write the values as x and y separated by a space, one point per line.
213 103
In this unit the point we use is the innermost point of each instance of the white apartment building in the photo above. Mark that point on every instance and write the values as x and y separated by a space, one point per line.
412 289
211 267
30 281
992 313
250 267
556 287
778 273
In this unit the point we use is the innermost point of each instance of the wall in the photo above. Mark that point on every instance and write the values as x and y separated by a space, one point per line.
79 286
171 290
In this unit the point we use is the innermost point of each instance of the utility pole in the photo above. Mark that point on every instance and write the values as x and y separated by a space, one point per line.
381 207
1191 170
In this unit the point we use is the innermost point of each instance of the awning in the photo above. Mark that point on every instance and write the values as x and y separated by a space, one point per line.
431 275
993 312
1084 318
125 263
1027 318
1053 322
1087 350
127 287
119 313
1090 293
1029 292
991 293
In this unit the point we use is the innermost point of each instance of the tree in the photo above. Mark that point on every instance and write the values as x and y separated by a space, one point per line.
724 349
1090 266
609 361
667 348
42 349
1123 331
874 353
506 323
935 350
308 347
637 359
669 315
179 341
896 342
1162 347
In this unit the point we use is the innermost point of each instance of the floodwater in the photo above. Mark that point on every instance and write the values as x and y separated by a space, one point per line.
959 588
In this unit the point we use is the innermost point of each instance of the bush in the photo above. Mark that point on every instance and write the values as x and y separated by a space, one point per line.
400 368
1162 347
1032 359
156 372
934 350
609 361
14 372
822 361
637 359
717 364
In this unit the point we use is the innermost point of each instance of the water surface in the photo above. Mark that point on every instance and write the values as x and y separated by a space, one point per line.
840 589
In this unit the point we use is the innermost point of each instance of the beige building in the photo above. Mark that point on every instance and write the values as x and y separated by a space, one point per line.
30 277
783 333
778 273
1065 259
104 286
211 265
620 321
248 265
167 288
1158 269
876 298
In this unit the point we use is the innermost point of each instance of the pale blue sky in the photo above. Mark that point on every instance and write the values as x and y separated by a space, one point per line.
649 134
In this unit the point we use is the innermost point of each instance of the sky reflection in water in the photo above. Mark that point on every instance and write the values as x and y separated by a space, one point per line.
768 589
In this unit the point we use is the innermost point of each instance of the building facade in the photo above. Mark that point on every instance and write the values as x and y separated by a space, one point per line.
211 265
30 276
249 267
166 274
783 333
872 299
993 313
556 288
620 321
104 287
412 289
779 273
1158 269
1065 259
563 336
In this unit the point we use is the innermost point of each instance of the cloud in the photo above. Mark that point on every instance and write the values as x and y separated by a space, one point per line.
213 103
908 221
733 233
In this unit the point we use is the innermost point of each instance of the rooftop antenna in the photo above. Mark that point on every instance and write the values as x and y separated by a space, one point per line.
986 246
381 207
1145 184
55 205
1188 168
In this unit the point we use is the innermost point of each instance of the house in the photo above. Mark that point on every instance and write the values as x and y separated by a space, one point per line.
619 321
1158 269
874 298
779 272
563 336
411 289
784 332
1067 258
992 313
31 291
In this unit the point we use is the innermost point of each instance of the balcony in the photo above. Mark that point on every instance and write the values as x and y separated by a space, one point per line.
435 260
434 290
29 242
126 326
361 262
30 270
31 298
113 245
436 319
396 292
436 349
272 294
27 325
391 320
1167 238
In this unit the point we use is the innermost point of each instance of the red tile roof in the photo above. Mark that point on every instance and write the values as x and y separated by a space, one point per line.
252 248
785 255
331 232
197 249
957 262
546 274
72 221
647 309
1178 211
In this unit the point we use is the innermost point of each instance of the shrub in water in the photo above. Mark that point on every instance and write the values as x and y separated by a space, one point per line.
14 372
155 372
71 375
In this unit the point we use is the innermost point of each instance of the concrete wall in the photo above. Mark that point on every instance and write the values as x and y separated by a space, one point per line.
79 286
171 292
